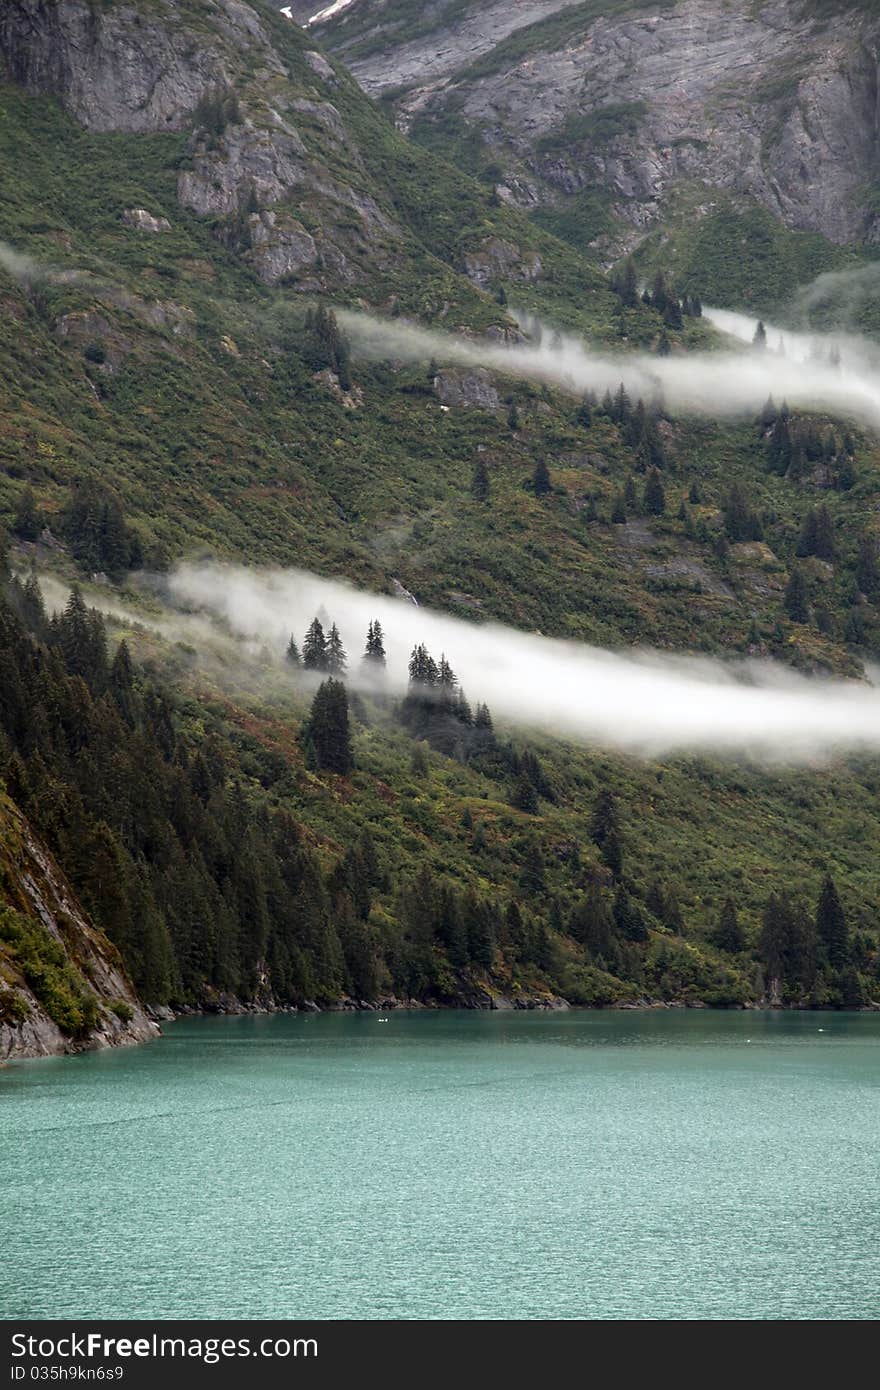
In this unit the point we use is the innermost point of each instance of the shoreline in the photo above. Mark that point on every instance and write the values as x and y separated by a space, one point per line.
231 1007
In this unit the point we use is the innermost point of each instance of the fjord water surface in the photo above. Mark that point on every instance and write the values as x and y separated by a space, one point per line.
449 1165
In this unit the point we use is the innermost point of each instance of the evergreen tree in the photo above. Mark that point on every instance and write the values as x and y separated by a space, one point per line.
672 314
26 523
780 446
314 649
622 408
824 544
374 654
760 338
741 523
605 830
868 566
541 482
831 926
625 284
628 917
524 797
659 293
327 732
532 878
480 486
337 661
292 653
796 598
325 347
618 510
423 669
728 934
654 496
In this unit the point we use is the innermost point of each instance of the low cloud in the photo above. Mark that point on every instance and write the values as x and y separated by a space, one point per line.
637 702
838 374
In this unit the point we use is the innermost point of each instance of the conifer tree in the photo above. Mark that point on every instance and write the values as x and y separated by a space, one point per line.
622 409
532 876
291 655
831 926
628 917
796 597
374 653
625 284
480 485
33 607
314 649
659 293
327 733
541 482
654 497
605 830
337 661
728 934
26 524
760 338
868 565
618 510
780 446
423 668
524 797
824 543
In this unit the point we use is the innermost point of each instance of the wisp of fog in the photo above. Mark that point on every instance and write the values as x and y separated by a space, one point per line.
644 703
826 371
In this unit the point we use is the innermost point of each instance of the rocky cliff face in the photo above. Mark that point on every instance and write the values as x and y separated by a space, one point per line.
63 987
268 148
775 101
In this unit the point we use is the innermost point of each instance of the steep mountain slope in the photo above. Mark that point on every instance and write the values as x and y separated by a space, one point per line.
609 120
188 179
63 986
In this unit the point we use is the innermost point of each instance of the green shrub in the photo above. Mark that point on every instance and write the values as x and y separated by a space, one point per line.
48 973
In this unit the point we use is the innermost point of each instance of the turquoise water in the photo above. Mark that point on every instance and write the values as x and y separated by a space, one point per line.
457 1165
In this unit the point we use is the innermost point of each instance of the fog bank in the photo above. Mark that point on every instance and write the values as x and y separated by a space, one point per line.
642 703
713 384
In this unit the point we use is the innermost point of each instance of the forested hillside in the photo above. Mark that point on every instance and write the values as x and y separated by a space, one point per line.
175 383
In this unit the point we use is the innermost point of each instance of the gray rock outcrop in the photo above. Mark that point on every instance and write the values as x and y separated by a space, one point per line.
35 886
777 102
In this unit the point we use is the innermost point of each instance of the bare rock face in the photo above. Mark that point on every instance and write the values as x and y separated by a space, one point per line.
438 53
34 886
499 259
266 148
460 387
280 246
773 102
111 70
142 221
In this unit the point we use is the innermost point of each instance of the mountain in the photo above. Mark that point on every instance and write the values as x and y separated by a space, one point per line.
63 986
638 124
192 190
